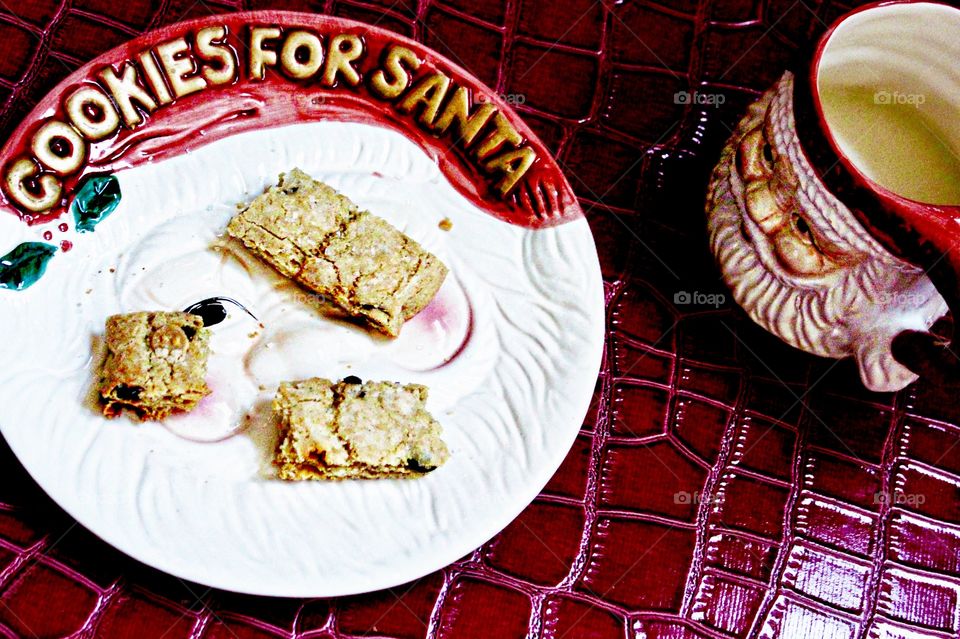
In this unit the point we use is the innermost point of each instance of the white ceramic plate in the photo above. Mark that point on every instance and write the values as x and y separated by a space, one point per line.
510 349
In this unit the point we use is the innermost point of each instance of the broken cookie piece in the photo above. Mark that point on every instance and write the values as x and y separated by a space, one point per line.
351 430
155 364
320 239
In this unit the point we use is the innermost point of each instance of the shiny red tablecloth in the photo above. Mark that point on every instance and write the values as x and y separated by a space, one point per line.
724 485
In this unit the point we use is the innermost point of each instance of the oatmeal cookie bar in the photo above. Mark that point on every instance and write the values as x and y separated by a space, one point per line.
349 430
319 238
155 364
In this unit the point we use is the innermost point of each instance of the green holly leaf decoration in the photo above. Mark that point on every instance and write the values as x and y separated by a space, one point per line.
97 197
24 265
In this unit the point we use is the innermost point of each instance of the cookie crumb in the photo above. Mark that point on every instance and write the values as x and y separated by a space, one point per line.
445 224
113 270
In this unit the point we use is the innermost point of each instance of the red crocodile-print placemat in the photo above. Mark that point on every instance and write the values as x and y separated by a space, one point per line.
724 485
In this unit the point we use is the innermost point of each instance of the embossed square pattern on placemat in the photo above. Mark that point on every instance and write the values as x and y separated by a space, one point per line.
724 485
